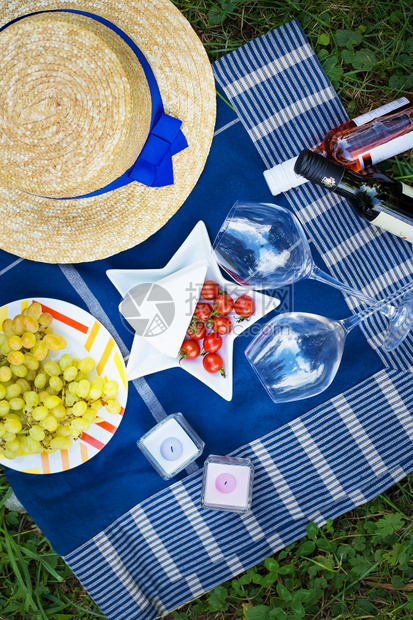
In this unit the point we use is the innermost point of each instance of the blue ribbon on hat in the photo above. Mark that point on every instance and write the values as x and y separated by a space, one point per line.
153 166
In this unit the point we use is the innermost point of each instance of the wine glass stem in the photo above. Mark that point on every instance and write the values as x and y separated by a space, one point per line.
321 276
356 319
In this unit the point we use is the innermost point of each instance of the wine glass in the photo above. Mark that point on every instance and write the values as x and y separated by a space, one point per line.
297 354
264 246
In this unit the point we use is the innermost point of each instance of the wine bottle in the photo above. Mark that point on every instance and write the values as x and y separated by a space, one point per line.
379 199
357 144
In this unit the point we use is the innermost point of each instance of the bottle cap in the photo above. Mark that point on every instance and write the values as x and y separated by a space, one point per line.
282 177
319 169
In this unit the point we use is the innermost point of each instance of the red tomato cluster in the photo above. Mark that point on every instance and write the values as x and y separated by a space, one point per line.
213 316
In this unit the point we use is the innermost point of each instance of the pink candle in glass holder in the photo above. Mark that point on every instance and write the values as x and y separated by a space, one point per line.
227 483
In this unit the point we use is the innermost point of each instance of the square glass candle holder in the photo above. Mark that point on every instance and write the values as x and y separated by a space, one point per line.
171 445
227 483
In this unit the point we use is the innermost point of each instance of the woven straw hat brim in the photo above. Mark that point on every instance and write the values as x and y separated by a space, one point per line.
72 231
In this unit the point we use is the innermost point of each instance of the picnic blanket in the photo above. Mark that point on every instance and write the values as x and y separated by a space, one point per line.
142 546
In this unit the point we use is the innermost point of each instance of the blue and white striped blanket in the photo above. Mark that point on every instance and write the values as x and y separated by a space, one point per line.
142 546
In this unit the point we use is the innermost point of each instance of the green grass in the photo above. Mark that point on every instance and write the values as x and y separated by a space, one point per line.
361 565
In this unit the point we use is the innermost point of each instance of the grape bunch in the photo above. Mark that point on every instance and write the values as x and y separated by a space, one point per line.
45 404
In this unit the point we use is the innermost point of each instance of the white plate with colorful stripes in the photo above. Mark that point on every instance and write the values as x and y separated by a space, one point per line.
85 336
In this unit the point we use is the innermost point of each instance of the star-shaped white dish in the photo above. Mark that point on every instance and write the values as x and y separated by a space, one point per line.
145 358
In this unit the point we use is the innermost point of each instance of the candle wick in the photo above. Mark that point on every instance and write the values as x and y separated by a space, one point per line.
172 448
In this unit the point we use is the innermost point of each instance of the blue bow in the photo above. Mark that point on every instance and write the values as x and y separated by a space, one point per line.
154 164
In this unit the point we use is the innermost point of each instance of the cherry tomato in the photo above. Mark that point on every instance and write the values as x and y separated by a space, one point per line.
221 325
223 304
196 331
212 343
244 306
190 350
202 311
213 362
210 289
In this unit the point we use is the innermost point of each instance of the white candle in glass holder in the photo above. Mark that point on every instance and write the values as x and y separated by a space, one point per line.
227 483
171 445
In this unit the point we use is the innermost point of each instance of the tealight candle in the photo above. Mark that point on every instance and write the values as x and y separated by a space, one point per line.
171 449
227 483
171 445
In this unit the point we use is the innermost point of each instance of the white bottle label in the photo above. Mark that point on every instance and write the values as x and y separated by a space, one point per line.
394 225
384 109
387 150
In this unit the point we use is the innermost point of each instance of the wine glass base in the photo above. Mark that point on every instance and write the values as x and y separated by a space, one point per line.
400 324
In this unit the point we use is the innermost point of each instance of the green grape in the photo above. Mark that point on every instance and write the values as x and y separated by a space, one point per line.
19 370
13 447
50 390
55 342
28 340
40 350
111 389
31 375
81 376
42 395
71 399
34 310
15 358
113 406
13 390
90 415
14 342
70 373
12 423
2 391
9 436
59 412
30 324
45 319
40 413
63 431
5 349
16 404
52 401
96 405
33 446
31 398
56 383
52 369
2 429
40 380
65 361
60 443
83 388
37 432
31 362
4 407
7 327
17 325
24 384
86 364
50 423
96 388
79 408
79 424
73 388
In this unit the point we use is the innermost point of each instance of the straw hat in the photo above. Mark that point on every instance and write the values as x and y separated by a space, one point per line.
76 108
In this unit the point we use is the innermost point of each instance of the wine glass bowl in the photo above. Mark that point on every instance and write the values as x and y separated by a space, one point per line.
297 355
261 246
